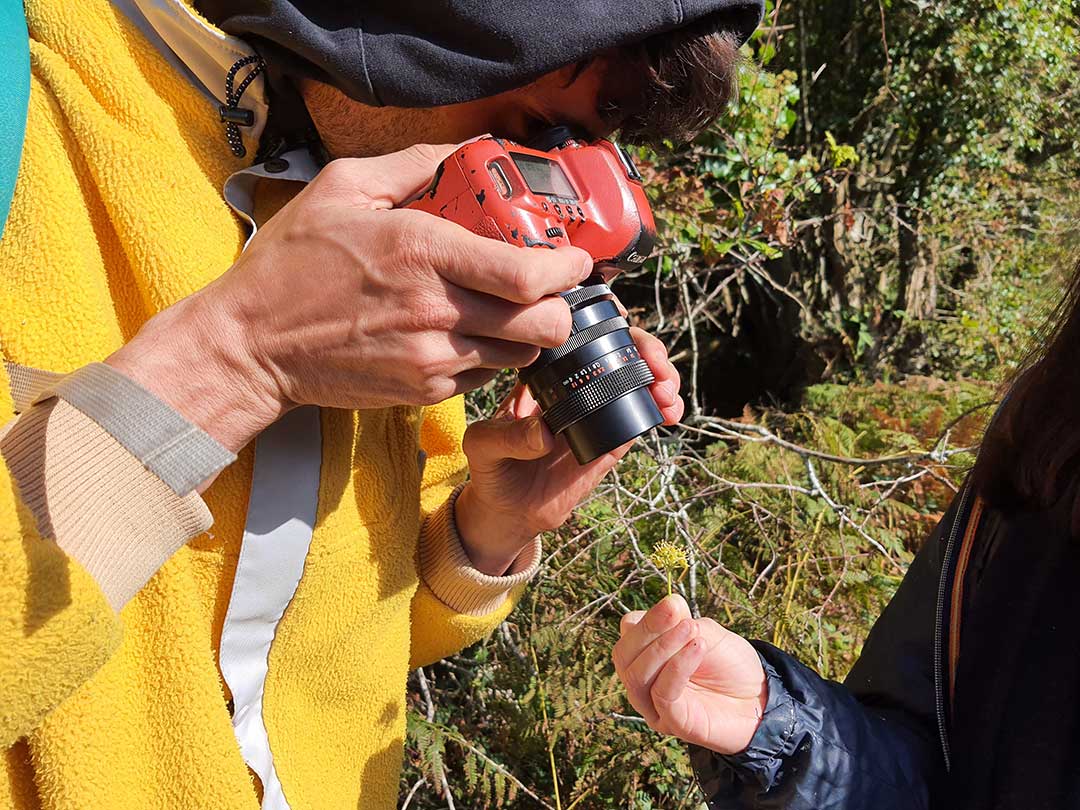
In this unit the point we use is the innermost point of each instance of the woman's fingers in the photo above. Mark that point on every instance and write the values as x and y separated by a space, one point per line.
646 628
638 631
643 671
668 691
626 624
630 620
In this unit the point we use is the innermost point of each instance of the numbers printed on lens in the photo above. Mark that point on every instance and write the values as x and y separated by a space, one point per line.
597 368
584 375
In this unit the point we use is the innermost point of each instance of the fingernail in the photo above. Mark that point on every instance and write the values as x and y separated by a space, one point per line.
675 597
535 434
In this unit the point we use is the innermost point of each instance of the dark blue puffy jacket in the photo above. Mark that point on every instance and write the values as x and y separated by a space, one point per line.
877 742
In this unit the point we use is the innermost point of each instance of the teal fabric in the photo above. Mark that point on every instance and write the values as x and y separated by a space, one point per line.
14 96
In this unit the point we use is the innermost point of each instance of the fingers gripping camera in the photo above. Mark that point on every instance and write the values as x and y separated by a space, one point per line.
594 388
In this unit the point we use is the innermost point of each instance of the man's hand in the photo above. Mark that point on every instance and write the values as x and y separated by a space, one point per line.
691 678
524 481
343 301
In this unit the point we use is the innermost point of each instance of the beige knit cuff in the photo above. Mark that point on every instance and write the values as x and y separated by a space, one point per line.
95 499
168 445
447 570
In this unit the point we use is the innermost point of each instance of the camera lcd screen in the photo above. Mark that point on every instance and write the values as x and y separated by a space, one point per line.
544 176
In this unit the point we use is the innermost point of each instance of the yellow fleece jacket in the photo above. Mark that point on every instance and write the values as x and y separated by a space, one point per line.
118 214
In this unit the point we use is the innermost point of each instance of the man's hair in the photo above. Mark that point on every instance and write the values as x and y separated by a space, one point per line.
688 77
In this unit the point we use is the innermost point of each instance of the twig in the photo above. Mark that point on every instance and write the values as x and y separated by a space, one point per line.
416 786
695 403
429 713
842 513
737 430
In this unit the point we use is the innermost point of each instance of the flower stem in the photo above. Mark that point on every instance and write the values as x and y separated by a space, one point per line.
551 737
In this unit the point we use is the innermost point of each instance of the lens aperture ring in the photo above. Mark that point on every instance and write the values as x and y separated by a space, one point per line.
583 294
579 339
598 393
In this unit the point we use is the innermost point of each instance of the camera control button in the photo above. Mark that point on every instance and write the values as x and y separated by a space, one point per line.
554 233
558 209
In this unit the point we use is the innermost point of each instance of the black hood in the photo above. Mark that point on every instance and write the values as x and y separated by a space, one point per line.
422 53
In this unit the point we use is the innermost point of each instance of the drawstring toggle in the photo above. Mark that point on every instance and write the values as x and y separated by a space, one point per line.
232 115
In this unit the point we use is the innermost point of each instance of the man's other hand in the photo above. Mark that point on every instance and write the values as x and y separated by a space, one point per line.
341 300
524 481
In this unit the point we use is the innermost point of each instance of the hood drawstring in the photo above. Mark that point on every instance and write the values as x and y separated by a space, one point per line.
232 115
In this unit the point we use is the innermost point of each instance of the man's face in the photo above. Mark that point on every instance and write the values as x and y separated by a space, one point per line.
566 96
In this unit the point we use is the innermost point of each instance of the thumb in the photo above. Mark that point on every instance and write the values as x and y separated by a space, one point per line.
388 180
489 442
733 667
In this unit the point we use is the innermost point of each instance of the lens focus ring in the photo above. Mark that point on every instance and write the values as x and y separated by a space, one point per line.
582 294
597 394
579 339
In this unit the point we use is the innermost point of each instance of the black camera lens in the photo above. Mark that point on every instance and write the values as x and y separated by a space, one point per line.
594 389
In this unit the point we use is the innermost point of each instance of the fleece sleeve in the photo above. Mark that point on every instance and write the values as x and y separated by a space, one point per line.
56 626
455 605
83 525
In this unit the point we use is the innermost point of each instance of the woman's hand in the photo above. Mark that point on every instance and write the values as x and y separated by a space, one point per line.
524 481
691 678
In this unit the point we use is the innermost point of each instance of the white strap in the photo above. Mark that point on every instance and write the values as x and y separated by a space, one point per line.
168 445
281 518
178 452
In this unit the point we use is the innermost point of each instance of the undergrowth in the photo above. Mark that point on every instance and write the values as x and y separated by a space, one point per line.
790 537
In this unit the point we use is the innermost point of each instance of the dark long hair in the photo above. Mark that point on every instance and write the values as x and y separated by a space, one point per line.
1030 456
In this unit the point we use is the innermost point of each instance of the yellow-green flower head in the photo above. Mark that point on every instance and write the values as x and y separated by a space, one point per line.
668 557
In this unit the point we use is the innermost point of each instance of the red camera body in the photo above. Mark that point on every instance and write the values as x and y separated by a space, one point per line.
586 195
594 389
